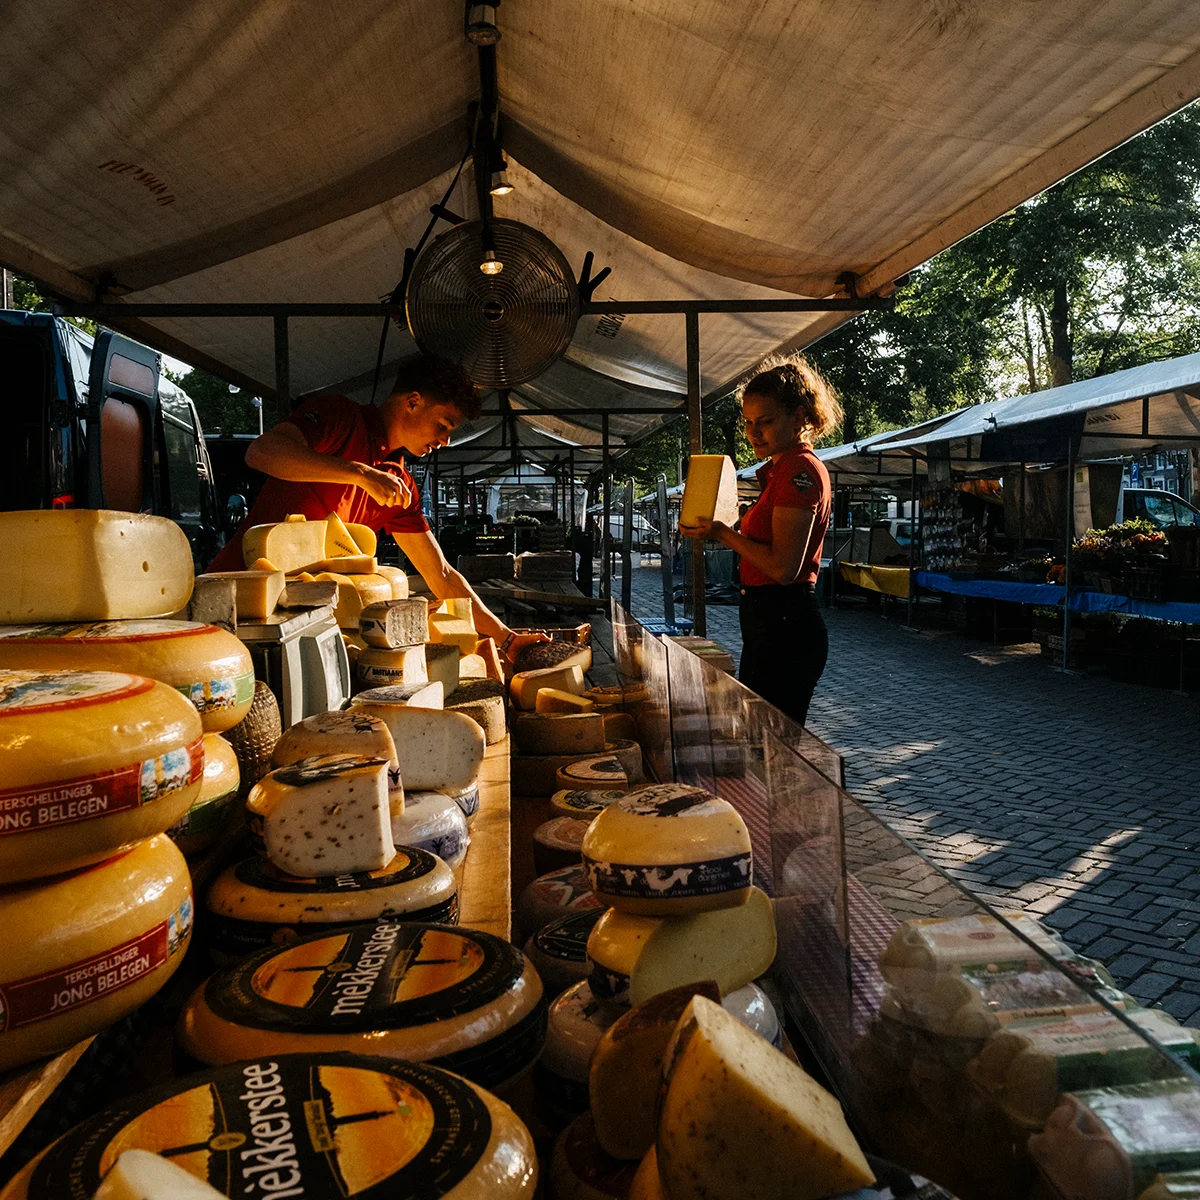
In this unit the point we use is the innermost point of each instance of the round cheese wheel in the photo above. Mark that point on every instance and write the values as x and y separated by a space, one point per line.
342 732
208 666
321 1126
754 1009
553 895
600 771
584 804
483 700
557 842
457 998
208 817
466 798
83 950
252 905
667 850
435 822
93 762
581 1170
559 950
575 1024
254 737
616 693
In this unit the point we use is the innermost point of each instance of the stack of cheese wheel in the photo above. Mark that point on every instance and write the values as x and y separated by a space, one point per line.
100 759
393 634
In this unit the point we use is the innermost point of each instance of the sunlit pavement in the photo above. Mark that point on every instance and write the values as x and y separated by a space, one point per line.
1075 798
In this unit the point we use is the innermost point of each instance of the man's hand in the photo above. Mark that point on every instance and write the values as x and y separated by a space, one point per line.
520 641
704 530
382 486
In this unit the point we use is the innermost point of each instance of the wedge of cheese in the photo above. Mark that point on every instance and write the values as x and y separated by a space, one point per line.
290 544
710 491
381 700
525 685
441 665
395 623
552 700
740 1121
472 666
346 564
78 564
452 631
436 749
339 541
349 732
398 580
326 815
257 591
142 1175
356 592
536 733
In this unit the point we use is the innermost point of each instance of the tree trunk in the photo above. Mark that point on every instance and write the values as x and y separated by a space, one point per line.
849 420
1060 336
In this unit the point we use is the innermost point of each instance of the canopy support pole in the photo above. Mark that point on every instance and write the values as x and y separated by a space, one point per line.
605 533
433 491
695 446
1021 513
627 549
912 541
1066 653
283 380
571 465
664 553
833 552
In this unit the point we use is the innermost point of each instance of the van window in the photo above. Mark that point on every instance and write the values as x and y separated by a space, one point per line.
182 476
25 384
1159 509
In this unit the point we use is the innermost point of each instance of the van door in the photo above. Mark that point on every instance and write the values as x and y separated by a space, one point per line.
122 391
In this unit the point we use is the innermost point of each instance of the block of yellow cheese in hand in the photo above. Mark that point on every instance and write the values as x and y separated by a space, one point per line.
143 1175
84 949
78 564
739 1120
93 762
668 850
710 492
210 815
525 685
257 591
208 666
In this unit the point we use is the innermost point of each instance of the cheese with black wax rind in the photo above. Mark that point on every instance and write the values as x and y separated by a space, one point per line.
550 701
80 564
575 1024
559 950
669 850
441 666
356 592
435 822
556 843
525 685
601 771
553 895
435 749
738 1120
210 815
252 905
580 1170
254 737
84 949
349 731
93 762
580 734
540 656
710 490
144 1175
395 623
483 700
289 544
457 998
404 666
320 1126
326 815
584 804
208 666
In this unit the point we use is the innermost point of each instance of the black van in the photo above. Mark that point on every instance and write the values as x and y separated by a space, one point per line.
94 423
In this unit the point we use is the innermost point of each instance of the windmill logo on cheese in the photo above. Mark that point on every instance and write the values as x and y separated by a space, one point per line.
165 774
31 690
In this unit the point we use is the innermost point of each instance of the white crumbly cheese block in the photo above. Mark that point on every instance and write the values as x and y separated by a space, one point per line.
436 749
710 491
441 665
603 772
472 666
552 700
382 700
82 950
525 685
668 850
397 579
395 623
257 592
738 1120
436 823
581 734
383 668
356 592
288 544
77 564
452 631
326 815
483 700
142 1175
348 732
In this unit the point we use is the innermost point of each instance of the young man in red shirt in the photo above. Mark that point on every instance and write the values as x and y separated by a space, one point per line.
334 456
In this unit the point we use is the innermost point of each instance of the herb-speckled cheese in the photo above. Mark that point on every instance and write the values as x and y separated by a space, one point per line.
435 749
347 732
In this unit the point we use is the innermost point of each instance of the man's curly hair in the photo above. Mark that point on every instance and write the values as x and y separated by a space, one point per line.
441 380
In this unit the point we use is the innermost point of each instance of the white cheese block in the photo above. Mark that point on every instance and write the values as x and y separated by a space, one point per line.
356 592
351 731
526 684
584 804
483 700
556 843
251 905
550 700
380 701
603 772
559 950
580 734
456 998
78 564
210 815
710 491
397 579
287 544
326 815
143 1175
93 761
637 957
739 1120
336 1126
386 668
82 950
434 822
435 749
395 623
207 665
553 895
441 665
580 1170
668 850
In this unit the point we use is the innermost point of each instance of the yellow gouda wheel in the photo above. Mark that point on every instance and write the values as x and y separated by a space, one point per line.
84 949
93 762
208 817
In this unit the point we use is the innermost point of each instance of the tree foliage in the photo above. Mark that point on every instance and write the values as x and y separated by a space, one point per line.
222 407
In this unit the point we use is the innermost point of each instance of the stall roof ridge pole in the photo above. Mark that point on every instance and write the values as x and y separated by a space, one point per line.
696 446
627 549
605 532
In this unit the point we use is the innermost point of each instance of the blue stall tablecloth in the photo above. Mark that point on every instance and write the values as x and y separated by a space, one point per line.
1048 594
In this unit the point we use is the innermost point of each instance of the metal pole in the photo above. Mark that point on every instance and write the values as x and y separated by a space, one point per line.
7 298
1070 539
1021 514
283 376
664 553
433 488
696 446
833 552
627 549
571 463
912 540
605 533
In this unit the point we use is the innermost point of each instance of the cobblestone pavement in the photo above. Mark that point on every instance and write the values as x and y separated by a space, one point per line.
1076 798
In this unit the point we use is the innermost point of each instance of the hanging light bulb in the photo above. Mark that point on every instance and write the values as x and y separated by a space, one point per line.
500 183
481 27
491 265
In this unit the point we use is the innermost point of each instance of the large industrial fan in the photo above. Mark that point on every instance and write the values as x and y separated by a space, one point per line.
497 297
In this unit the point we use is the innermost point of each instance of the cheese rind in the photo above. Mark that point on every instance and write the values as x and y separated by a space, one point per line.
93 762
254 737
386 699
575 1026
581 734
83 950
209 816
142 1175
601 772
710 491
584 804
435 749
553 895
738 1120
483 700
397 579
78 564
540 656
356 592
208 666
537 774
559 950
395 623
347 732
257 592
326 815
405 666
548 700
436 823
525 685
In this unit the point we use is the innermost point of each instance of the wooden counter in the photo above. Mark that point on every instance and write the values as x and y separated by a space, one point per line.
485 895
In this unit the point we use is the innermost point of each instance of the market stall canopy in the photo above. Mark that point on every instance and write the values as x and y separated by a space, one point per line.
221 152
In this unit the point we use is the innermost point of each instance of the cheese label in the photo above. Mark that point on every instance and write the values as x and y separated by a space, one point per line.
213 695
585 804
378 975
26 692
671 800
467 800
297 1125
409 864
204 816
67 801
566 939
710 878
26 1001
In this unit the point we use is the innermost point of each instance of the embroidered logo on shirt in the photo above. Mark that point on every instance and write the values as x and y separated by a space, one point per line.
312 418
803 480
